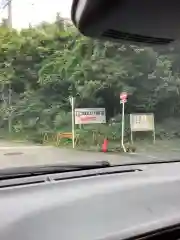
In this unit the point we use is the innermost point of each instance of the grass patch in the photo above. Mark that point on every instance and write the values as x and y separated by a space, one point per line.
91 138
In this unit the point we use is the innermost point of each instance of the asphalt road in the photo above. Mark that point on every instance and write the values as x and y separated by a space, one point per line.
16 154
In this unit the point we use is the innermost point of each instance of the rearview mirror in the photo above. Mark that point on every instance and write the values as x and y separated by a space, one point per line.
140 21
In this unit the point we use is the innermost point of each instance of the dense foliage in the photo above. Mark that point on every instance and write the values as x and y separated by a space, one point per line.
41 67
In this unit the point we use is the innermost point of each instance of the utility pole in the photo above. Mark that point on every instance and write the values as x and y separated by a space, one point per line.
9 6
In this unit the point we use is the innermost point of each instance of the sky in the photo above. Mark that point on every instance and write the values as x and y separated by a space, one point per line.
25 12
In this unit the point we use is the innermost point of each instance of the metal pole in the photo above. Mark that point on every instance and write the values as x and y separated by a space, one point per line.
10 110
122 128
73 125
154 136
131 128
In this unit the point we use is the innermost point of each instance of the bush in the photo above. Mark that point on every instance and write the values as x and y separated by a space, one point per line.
62 120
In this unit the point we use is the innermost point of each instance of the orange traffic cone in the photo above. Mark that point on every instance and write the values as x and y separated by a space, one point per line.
105 145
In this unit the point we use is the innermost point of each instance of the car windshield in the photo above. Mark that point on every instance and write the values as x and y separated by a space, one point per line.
67 98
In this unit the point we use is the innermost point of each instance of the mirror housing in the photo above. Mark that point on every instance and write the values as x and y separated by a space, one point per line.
138 21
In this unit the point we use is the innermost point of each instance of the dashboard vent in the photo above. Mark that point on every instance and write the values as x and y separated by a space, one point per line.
14 183
97 172
113 34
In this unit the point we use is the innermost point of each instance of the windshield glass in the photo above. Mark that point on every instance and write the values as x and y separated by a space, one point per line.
63 96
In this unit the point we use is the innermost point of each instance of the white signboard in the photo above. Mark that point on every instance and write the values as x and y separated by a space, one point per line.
142 122
90 115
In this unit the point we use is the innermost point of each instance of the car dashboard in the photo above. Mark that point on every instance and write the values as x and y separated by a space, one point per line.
110 203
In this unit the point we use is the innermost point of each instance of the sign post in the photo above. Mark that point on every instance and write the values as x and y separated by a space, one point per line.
72 100
123 97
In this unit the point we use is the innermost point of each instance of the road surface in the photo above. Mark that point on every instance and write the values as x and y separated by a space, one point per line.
16 154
